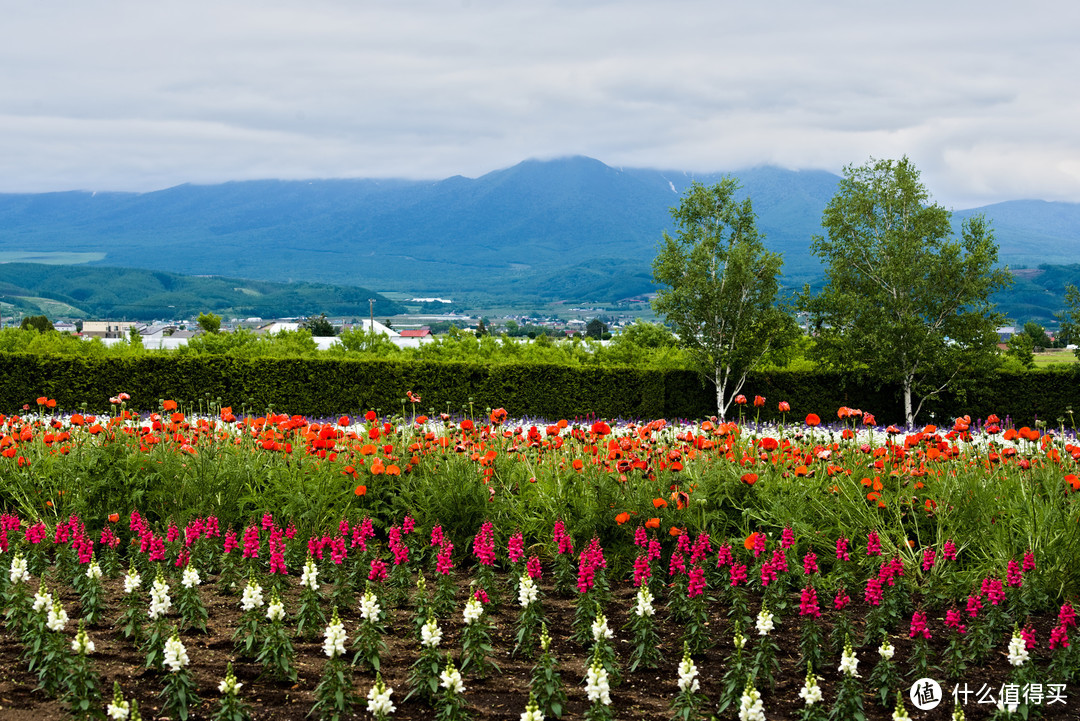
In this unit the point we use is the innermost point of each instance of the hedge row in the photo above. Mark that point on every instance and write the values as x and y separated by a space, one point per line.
330 387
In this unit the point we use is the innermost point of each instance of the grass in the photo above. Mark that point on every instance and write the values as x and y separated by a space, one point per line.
1054 356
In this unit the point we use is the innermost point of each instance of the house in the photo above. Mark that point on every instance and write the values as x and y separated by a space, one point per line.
109 328
416 333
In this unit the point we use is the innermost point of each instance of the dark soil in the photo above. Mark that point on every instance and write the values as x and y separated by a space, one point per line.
645 694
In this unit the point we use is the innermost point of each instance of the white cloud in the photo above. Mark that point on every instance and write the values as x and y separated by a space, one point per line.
126 95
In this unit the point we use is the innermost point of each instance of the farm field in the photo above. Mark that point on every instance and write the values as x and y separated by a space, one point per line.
952 546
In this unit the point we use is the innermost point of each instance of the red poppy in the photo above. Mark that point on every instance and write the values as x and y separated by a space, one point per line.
749 478
498 415
812 420
622 518
1073 481
600 428
168 405
467 425
784 406
578 464
759 401
343 421
769 444
740 400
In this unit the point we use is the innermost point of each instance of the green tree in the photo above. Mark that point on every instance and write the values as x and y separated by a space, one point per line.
595 329
903 297
1022 348
719 287
1069 318
209 322
1039 340
39 323
319 326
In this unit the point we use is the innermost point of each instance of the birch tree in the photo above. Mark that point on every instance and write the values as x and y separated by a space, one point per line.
719 287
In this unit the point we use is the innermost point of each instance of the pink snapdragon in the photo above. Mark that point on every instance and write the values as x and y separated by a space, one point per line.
533 568
378 570
515 547
251 542
444 562
484 544
564 544
737 573
808 603
787 538
1059 637
696 585
641 538
642 570
676 564
1013 575
841 600
842 553
1067 615
918 625
701 550
436 535
230 542
949 550
724 557
408 524
928 557
974 605
809 563
1029 561
173 534
874 592
873 544
1028 634
277 551
953 621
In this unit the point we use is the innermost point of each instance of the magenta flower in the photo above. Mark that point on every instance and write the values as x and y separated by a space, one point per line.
724 557
677 564
768 573
874 592
787 538
1028 634
949 550
642 571
408 524
436 535
974 605
481 595
702 548
378 570
1067 615
1029 561
696 586
515 547
641 538
251 542
737 573
343 528
444 563
1013 575
1059 637
654 550
759 544
842 549
928 557
918 625
157 548
842 599
808 603
230 541
533 568
873 544
809 563
952 620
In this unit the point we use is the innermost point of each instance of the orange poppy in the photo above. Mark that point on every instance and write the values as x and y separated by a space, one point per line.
652 523
749 478
812 420
622 518
578 464
114 517
750 541
360 490
1073 481
676 531
169 405
659 503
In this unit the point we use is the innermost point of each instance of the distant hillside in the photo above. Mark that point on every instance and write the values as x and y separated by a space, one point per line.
134 294
569 228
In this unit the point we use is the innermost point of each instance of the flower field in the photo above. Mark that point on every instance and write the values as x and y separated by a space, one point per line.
201 563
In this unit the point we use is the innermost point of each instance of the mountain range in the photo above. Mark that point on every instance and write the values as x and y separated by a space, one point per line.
571 228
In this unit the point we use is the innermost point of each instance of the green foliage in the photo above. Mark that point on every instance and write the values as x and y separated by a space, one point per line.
903 298
39 323
209 322
719 287
1022 348
319 326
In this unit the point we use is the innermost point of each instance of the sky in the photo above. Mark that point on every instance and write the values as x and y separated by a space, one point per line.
119 95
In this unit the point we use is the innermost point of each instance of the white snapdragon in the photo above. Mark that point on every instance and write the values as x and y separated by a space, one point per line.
43 600
93 570
18 573
849 663
82 644
118 710
764 622
644 606
473 610
229 686
810 693
160 603
900 713
430 633
450 679
132 581
886 650
378 699
369 607
275 610
58 617
532 711
688 674
528 593
600 628
739 641
310 575
190 578
1018 653
334 637
252 597
597 686
175 656
751 707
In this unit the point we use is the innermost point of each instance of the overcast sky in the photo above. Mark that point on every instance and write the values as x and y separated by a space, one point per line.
115 95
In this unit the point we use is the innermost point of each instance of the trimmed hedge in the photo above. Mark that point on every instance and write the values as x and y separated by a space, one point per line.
330 387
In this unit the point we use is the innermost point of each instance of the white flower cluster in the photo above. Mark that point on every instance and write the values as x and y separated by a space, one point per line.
450 679
334 638
369 607
190 578
886 649
132 581
600 628
118 710
810 693
160 603
275 610
310 574
688 673
739 640
43 600
378 699
81 644
528 593
229 686
58 617
252 597
430 633
18 572
644 606
175 654
93 570
764 622
596 683
532 711
473 610
900 714
751 707
849 664
1018 653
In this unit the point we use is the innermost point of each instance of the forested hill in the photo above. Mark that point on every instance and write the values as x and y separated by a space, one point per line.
568 228
79 291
